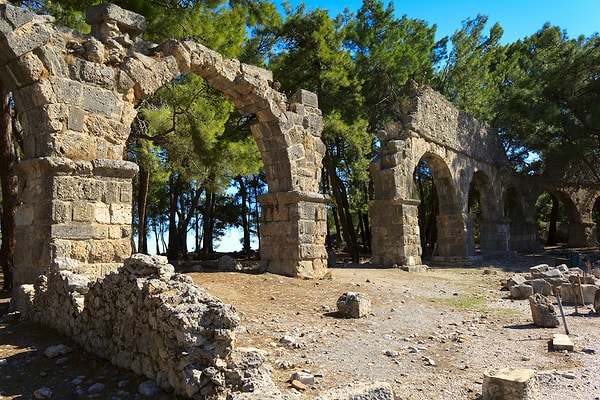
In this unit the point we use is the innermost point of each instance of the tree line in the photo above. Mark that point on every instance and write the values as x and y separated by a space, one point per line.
201 172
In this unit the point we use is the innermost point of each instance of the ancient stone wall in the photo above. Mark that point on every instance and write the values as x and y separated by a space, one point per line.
148 319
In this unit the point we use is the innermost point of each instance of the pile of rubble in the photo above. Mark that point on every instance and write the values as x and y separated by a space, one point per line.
572 286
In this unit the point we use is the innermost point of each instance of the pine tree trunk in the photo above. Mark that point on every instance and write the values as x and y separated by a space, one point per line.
8 160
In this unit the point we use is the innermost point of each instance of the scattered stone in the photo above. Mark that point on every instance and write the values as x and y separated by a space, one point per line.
511 384
537 270
414 268
43 393
521 291
588 350
360 391
96 388
148 389
542 311
228 264
304 377
515 280
429 361
299 385
354 305
58 350
541 286
569 375
62 360
561 342
3 362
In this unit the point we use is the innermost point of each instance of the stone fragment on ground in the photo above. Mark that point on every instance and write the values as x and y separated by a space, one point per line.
521 291
362 391
511 384
562 342
542 311
354 305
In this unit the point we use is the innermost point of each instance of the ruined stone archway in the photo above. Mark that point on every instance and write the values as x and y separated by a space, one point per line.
457 147
76 96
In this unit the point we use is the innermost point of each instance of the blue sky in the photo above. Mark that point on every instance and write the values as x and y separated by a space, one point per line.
518 18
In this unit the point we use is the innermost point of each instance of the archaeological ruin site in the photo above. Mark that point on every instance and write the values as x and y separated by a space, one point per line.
74 271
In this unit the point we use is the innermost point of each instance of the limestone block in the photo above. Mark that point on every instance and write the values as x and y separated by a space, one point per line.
511 384
561 342
540 286
354 305
25 39
542 311
53 61
128 21
521 292
83 211
103 102
93 72
569 293
120 214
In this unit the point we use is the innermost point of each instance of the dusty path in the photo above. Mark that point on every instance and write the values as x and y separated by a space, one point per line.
430 334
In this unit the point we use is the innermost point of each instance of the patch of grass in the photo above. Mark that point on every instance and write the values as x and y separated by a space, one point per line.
474 303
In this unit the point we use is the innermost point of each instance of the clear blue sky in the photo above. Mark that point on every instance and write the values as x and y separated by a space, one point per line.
518 18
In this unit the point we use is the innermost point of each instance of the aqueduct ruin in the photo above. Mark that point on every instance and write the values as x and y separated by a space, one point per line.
76 96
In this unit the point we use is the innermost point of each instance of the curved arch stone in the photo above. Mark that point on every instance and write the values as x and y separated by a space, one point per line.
76 96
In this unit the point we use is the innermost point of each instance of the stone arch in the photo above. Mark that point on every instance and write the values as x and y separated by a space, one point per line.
457 147
453 224
76 96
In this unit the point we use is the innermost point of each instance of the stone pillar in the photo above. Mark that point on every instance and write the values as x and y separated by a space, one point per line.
292 234
72 215
582 234
452 235
524 237
395 236
494 237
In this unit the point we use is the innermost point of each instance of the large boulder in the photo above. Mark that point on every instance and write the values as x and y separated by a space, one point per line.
542 311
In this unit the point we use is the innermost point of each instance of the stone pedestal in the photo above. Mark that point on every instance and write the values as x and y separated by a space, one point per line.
72 215
511 384
582 235
395 232
292 234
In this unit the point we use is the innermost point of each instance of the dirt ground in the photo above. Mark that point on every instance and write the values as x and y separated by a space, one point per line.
432 335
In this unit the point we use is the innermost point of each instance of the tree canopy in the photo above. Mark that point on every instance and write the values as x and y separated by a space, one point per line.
200 170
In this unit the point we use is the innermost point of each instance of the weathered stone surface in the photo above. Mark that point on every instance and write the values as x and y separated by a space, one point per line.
151 320
511 384
542 311
561 342
360 391
521 292
540 286
354 305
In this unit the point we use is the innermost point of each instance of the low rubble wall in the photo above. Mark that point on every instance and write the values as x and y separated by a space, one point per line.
148 319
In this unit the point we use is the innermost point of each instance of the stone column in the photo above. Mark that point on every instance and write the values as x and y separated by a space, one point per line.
524 237
72 215
494 237
455 240
582 234
292 234
395 236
